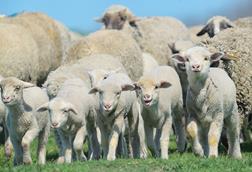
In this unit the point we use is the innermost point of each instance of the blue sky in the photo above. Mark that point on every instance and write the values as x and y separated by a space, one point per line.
79 14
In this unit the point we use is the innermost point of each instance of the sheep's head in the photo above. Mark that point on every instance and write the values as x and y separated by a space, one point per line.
12 90
53 86
197 60
98 75
109 94
116 17
148 90
59 111
215 25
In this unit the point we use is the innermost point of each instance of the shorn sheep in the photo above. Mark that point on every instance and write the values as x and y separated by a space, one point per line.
211 103
161 104
23 122
153 34
72 113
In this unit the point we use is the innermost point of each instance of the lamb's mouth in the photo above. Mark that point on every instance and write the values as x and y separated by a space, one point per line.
148 102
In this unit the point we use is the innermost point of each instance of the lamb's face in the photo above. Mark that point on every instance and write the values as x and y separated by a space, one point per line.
109 95
215 25
59 111
115 20
12 90
149 91
197 60
52 89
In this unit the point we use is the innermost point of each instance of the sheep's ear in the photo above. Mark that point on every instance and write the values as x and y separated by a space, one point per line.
163 84
70 107
178 58
26 84
43 107
216 57
93 90
99 20
128 87
209 28
136 86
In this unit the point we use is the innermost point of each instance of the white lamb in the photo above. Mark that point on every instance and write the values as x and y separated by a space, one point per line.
23 122
210 102
72 113
161 104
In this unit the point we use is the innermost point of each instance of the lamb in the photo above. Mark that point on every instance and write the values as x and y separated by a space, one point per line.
39 40
210 102
116 102
23 122
72 113
111 42
153 34
161 103
215 25
236 43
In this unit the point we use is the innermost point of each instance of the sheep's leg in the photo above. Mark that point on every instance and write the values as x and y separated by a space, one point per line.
18 158
233 133
67 149
26 142
141 135
78 144
149 131
179 124
7 144
42 141
60 146
214 134
165 137
114 136
192 129
104 140
94 142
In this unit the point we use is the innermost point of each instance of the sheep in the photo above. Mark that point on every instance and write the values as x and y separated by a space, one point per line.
43 41
116 102
236 43
23 122
82 68
153 34
161 103
210 102
112 42
215 25
72 113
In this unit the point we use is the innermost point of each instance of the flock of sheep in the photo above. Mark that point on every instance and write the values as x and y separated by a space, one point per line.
124 88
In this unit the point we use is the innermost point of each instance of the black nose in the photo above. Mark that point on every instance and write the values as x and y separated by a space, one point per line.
196 66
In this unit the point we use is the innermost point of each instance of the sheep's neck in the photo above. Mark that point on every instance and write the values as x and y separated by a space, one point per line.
17 109
197 82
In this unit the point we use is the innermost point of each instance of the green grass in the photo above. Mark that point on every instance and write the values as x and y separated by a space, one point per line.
176 162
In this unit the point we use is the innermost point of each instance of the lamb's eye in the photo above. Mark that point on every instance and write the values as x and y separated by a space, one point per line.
123 18
65 110
17 88
118 93
156 87
205 58
187 59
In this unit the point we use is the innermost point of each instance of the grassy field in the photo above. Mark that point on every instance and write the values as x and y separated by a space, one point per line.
176 162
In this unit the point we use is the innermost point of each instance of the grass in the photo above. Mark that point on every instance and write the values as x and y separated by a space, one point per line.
176 162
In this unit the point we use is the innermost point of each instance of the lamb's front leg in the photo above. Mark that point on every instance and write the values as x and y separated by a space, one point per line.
165 136
18 158
67 147
214 135
78 144
42 141
26 142
114 136
192 129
